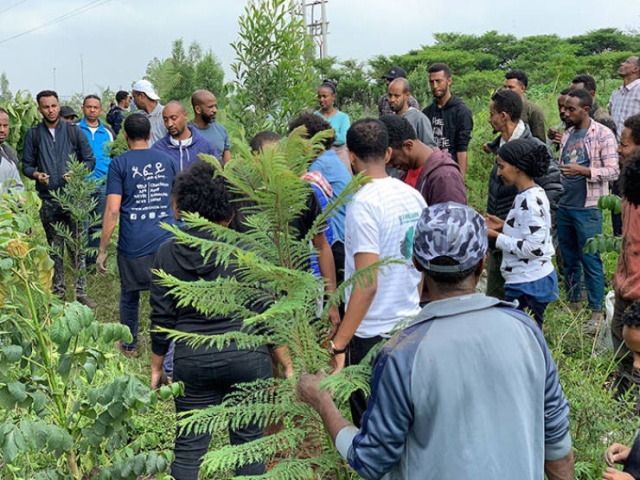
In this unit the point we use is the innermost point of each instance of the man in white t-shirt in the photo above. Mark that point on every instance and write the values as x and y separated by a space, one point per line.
380 222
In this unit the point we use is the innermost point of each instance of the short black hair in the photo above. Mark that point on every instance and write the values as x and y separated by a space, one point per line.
564 91
440 67
450 278
587 80
121 95
199 190
586 100
137 126
630 179
509 102
2 110
46 93
314 124
631 318
260 139
519 75
398 129
368 139
633 124
91 96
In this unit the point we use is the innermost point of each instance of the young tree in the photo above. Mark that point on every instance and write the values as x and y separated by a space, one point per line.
274 78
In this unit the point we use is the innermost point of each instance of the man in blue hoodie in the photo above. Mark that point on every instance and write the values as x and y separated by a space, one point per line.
99 136
182 142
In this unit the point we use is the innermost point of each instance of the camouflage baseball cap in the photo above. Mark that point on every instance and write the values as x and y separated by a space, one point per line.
450 230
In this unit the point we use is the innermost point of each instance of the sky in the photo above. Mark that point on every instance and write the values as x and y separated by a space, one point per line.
65 44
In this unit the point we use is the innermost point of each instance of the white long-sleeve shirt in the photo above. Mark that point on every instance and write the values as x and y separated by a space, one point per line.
526 238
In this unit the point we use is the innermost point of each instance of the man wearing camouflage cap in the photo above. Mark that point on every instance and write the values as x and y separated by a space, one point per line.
465 389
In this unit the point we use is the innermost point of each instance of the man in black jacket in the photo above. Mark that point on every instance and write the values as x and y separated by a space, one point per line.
450 118
47 150
504 116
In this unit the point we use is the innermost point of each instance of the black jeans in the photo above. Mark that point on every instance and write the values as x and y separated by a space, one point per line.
358 349
527 302
51 213
207 379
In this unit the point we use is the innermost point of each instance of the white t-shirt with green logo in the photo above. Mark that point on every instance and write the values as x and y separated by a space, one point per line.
381 219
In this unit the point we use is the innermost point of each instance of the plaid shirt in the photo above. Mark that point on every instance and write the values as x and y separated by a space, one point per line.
624 102
601 147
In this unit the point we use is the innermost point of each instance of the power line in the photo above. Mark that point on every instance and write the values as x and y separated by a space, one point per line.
13 6
72 13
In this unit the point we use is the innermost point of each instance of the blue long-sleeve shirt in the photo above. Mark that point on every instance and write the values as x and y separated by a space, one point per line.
467 390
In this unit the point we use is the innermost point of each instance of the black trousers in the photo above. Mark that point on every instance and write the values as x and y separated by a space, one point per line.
358 349
207 380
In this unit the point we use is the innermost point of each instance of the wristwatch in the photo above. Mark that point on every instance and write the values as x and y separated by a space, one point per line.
336 351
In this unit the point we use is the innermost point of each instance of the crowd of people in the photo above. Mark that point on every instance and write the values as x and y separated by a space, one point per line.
541 210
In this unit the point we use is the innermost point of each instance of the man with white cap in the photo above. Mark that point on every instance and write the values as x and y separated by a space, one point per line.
465 389
146 99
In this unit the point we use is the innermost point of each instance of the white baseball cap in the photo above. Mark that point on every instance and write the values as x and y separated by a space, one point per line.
145 87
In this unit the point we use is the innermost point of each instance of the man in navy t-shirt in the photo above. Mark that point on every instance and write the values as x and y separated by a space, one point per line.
139 194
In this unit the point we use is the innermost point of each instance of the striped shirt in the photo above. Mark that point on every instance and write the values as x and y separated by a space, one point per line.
624 102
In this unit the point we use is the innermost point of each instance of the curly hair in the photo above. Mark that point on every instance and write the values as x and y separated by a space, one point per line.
314 124
630 179
631 318
197 190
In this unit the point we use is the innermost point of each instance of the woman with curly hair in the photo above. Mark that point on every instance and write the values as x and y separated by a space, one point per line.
525 236
626 280
208 373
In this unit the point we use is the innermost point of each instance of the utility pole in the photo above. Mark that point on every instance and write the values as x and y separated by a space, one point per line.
318 28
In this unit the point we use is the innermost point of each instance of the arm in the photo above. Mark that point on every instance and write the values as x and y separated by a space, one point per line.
321 401
562 469
226 156
426 133
537 124
14 177
342 127
463 137
359 302
608 167
328 271
463 161
29 162
109 222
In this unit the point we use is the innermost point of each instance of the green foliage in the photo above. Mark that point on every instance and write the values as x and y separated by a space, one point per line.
177 77
273 268
23 114
354 84
77 198
63 415
606 242
274 80
5 94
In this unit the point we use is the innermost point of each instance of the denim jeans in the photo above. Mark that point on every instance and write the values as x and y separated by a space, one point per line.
527 304
207 380
495 280
575 227
129 311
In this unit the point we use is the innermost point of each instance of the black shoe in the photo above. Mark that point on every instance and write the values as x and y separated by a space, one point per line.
85 300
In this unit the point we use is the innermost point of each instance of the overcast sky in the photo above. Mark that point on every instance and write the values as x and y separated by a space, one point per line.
114 40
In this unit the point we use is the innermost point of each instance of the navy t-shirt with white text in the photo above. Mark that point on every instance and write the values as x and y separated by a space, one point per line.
144 179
